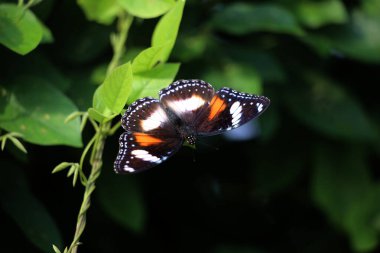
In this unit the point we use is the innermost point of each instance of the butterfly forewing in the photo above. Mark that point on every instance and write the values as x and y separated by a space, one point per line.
230 109
187 99
146 115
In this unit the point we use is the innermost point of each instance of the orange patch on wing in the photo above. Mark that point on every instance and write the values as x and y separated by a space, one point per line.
146 139
217 106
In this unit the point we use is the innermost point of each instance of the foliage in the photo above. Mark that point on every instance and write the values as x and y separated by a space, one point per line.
307 183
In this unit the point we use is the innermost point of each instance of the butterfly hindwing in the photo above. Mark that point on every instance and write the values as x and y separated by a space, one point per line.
187 99
230 109
140 151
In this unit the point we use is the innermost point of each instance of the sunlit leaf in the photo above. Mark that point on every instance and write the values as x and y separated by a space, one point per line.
61 166
146 8
56 249
18 144
99 116
150 57
149 83
111 96
20 30
167 29
102 11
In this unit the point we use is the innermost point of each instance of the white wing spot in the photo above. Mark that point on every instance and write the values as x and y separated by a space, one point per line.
259 107
235 111
144 155
154 120
186 105
234 106
236 119
129 169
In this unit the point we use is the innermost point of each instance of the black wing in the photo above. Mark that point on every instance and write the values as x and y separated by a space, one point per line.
150 137
187 100
230 109
140 151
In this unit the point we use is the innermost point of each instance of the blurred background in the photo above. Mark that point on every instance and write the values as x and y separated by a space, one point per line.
303 177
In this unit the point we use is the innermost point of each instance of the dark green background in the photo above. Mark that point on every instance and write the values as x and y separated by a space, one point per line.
309 182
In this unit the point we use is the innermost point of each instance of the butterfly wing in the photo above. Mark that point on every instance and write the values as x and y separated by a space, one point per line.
187 100
150 137
140 151
230 109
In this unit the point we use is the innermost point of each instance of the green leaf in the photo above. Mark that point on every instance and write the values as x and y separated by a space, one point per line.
371 7
18 144
38 110
328 108
191 46
343 190
28 213
359 39
122 200
56 249
47 36
237 76
167 29
61 166
146 8
150 57
98 116
150 82
266 64
315 14
111 97
243 18
20 30
3 142
99 73
101 11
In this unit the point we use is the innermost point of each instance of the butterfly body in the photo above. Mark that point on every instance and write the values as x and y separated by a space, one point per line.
186 109
185 132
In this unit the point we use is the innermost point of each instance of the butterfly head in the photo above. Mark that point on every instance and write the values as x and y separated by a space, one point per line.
191 139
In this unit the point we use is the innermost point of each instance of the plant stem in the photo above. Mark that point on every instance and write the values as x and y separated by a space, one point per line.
118 43
118 40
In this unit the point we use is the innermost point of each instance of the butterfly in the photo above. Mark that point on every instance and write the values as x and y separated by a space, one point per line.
156 128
